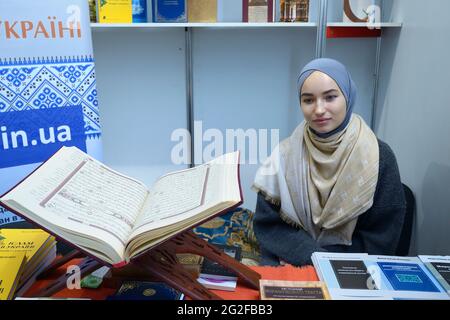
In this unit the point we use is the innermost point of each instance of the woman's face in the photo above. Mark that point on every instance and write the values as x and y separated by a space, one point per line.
322 102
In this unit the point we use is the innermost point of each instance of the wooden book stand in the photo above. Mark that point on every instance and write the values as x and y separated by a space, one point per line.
161 264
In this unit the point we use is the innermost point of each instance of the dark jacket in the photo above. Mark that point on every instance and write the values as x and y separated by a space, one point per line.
377 230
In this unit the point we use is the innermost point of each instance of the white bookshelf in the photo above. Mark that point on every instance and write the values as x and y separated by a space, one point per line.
97 26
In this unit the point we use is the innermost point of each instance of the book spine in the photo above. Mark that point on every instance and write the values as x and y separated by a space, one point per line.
270 13
244 10
96 11
139 11
154 5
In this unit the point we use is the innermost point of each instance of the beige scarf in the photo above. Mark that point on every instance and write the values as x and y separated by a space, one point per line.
323 185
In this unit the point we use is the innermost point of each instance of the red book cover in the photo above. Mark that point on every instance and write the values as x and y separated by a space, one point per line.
352 32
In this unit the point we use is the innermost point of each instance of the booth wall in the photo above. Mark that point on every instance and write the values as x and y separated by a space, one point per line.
413 113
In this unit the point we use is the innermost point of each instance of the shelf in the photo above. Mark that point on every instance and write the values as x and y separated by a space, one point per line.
99 26
363 24
357 30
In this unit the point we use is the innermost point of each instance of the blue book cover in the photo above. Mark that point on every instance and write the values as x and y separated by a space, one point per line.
139 10
137 290
169 10
407 277
48 94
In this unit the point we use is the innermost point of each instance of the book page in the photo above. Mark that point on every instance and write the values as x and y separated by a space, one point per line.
173 195
221 184
78 193
216 184
97 197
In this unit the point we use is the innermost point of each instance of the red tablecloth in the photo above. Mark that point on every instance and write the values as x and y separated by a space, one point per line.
286 272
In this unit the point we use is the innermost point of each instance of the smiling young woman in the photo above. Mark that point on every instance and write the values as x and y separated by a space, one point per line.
332 185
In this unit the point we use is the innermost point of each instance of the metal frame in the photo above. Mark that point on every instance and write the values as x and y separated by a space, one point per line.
321 41
189 92
375 85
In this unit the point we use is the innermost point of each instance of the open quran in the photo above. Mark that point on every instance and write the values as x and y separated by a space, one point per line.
113 217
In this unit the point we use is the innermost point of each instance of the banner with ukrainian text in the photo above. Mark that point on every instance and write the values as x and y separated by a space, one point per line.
48 95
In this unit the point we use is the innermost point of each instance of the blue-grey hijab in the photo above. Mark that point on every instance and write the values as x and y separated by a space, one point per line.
338 72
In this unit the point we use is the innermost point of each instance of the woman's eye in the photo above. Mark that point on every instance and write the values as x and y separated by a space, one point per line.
330 98
307 101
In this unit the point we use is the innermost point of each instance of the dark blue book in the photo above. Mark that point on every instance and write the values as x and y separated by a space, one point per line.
137 290
407 277
169 10
214 271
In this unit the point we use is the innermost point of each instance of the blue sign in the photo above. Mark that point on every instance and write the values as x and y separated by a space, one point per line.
48 93
32 136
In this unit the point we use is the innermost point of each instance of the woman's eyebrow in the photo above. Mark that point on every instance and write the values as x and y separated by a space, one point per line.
326 92
329 91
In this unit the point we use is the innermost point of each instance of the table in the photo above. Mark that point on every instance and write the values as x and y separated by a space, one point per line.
286 272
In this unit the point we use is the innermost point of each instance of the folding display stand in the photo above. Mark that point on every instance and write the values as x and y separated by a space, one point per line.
161 264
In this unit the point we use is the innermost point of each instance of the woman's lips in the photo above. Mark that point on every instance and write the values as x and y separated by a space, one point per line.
322 122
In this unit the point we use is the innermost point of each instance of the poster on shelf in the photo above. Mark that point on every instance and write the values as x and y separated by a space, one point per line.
48 95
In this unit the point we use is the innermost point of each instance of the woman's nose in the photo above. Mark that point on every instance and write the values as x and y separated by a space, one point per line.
320 108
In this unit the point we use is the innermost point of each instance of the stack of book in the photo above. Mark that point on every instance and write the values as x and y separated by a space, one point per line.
11 268
439 266
38 247
363 276
215 276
